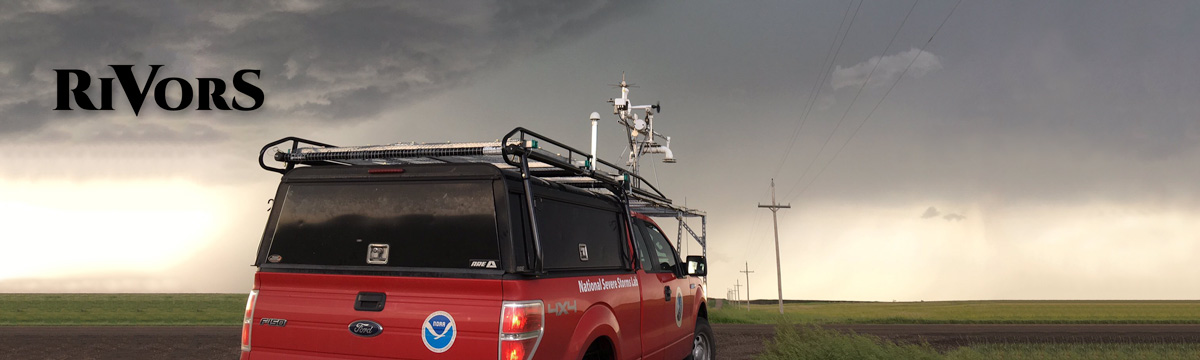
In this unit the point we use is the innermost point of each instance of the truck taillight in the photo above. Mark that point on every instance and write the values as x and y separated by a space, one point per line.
521 329
248 319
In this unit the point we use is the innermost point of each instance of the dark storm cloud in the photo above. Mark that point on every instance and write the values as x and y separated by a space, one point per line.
1116 77
150 133
320 61
931 212
38 37
1031 101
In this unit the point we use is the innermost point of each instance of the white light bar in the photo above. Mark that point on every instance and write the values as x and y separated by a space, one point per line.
396 151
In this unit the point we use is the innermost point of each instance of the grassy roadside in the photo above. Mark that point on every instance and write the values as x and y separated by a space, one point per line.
967 312
226 309
121 309
814 343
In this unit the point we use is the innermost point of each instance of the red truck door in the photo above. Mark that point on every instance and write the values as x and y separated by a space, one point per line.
665 297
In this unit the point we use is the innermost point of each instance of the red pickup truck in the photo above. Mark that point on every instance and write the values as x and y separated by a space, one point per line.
443 260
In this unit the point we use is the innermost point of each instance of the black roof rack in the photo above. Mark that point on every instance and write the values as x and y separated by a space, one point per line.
521 150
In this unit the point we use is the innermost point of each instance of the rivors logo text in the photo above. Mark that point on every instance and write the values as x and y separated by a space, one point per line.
211 91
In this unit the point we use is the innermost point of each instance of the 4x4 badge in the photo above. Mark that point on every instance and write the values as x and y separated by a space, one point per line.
377 254
564 307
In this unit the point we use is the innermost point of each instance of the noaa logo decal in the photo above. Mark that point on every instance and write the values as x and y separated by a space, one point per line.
438 331
366 328
678 308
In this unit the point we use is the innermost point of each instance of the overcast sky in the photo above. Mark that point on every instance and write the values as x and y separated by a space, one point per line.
1034 150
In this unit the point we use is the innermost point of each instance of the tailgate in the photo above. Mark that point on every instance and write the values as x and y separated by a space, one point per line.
319 310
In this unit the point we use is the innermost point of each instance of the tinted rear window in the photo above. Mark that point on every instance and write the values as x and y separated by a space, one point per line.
423 224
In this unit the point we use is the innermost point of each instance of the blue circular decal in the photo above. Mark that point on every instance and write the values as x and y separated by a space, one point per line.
438 331
678 308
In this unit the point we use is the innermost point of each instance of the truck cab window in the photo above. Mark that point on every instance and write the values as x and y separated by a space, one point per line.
658 249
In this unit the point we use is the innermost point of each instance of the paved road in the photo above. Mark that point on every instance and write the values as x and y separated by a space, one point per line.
734 341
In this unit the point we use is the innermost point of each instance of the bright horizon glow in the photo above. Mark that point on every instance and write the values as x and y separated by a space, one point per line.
134 236
1101 251
64 229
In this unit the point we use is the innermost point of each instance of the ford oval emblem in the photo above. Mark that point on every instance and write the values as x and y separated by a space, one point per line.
366 328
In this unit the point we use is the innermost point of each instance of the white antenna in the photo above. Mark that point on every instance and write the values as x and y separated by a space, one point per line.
595 118
640 130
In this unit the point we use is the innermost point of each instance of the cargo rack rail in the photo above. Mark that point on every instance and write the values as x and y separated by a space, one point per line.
520 150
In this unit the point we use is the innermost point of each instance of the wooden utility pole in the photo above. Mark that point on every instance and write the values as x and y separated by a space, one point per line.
775 218
747 272
737 291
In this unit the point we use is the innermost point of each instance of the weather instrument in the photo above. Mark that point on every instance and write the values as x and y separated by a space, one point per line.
640 128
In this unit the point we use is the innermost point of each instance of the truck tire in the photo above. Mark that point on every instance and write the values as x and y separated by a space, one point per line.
704 346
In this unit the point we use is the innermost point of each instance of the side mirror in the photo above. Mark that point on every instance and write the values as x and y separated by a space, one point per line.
696 266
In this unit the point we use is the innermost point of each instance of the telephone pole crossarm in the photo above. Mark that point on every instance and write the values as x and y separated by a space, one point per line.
775 207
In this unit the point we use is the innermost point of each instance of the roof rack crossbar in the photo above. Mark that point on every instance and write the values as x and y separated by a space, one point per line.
295 145
518 142
523 136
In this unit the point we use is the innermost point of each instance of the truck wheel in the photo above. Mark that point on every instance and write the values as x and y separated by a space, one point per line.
703 345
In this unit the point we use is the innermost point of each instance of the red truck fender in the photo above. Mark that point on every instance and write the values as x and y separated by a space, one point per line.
596 322
701 308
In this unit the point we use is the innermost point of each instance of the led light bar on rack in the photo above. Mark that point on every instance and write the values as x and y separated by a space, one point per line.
306 154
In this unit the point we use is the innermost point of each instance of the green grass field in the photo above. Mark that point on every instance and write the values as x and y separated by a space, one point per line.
967 312
805 343
226 309
812 343
121 309
1077 351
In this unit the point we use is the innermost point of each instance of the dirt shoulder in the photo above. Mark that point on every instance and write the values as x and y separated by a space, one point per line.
739 341
734 341
119 342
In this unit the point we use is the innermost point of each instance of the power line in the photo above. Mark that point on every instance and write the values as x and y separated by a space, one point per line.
885 94
818 86
827 67
855 99
758 217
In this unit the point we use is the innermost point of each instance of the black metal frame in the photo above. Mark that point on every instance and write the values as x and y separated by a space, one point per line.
523 134
622 189
295 145
518 147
